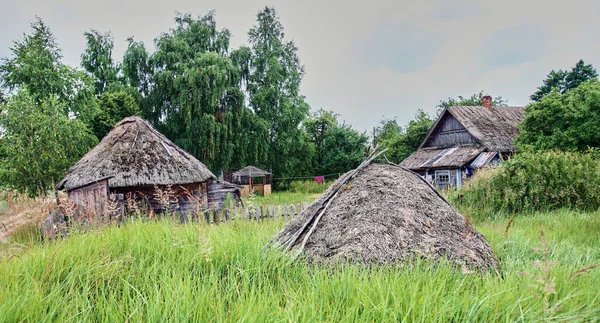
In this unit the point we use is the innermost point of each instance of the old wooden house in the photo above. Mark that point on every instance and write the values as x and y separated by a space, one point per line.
251 178
463 139
135 161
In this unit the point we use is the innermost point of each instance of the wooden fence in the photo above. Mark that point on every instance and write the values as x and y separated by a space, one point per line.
247 213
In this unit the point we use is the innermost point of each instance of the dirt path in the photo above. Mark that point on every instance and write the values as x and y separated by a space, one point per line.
11 221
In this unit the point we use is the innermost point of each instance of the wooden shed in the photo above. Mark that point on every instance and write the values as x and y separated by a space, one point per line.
136 161
463 139
252 178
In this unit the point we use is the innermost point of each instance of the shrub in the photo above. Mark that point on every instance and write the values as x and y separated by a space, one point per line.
308 187
534 182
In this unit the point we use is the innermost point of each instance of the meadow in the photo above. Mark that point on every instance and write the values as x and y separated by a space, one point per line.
163 271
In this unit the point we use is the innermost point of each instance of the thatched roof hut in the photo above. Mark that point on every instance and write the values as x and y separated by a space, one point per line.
385 214
135 158
133 153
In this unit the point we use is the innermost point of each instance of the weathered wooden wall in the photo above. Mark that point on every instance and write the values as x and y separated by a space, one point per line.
93 195
183 203
258 189
448 133
218 192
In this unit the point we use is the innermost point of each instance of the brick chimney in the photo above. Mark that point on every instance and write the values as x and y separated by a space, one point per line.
486 101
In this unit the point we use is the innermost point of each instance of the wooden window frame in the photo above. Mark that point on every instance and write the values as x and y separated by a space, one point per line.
439 174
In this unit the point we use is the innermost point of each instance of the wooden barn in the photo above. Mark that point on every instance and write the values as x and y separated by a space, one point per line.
135 161
252 178
463 139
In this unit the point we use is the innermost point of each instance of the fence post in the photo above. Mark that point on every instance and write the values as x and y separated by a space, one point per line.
273 212
207 216
226 214
257 214
183 219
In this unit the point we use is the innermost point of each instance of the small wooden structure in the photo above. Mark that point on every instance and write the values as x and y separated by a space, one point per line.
252 178
136 162
463 139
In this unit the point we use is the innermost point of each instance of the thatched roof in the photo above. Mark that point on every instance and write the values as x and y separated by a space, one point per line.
494 129
426 158
386 215
250 171
133 153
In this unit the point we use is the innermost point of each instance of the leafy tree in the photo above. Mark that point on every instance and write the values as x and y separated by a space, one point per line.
565 81
579 74
343 149
44 122
113 107
414 134
563 121
36 64
97 60
401 142
316 128
137 67
39 143
473 100
274 92
194 94
556 79
387 131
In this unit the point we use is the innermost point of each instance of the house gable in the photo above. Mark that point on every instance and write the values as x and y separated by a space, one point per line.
448 132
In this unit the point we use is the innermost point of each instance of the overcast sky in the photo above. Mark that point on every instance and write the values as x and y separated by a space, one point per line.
364 60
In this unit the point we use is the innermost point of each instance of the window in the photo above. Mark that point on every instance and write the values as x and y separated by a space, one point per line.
442 177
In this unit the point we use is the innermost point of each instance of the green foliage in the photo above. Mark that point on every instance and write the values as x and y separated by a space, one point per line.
44 123
39 144
194 95
473 100
36 64
148 272
564 81
343 148
97 60
534 182
308 187
567 121
401 142
316 128
274 93
113 107
137 69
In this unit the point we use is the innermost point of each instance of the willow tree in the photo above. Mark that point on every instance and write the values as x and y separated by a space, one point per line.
275 74
195 97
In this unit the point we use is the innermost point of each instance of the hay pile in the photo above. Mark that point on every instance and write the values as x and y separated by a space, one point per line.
385 214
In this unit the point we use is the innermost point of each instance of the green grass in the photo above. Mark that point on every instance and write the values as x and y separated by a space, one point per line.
281 198
155 272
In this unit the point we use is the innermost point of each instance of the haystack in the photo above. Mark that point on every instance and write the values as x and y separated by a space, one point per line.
385 214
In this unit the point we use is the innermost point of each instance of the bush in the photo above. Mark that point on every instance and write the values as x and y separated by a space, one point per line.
308 187
534 182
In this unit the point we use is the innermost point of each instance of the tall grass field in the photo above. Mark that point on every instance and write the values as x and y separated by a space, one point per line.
166 272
